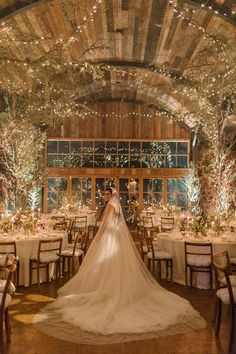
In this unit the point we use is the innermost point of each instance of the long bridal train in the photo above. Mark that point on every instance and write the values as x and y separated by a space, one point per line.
113 298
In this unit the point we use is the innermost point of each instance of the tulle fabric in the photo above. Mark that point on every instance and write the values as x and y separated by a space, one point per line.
113 298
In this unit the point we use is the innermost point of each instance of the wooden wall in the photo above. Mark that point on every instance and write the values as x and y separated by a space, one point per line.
112 126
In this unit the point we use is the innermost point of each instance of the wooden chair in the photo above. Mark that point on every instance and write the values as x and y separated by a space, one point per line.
48 253
9 248
77 252
143 249
5 300
198 259
69 223
225 294
80 222
167 224
157 256
94 228
148 224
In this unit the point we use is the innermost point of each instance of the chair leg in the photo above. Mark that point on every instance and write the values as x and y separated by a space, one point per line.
232 329
68 262
73 266
47 270
191 277
211 279
171 270
38 274
63 266
8 326
218 318
59 268
30 274
2 348
186 275
159 266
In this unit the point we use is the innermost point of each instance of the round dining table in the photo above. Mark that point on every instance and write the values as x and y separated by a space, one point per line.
27 246
174 243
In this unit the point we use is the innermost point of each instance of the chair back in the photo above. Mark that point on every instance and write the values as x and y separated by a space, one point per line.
222 270
51 246
8 248
83 240
60 226
147 221
198 249
149 240
167 223
80 222
9 271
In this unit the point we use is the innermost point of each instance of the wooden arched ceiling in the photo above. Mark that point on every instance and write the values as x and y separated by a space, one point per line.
136 32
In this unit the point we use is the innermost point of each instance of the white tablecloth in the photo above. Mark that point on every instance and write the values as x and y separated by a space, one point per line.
174 244
26 246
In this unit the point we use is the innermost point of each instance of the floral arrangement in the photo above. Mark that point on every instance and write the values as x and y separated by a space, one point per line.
200 224
23 219
6 225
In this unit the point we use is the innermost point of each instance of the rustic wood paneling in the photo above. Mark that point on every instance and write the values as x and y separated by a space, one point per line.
112 126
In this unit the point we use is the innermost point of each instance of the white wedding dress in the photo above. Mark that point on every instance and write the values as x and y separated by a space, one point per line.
113 297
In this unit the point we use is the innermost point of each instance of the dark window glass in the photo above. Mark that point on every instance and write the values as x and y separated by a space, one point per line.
86 198
111 147
157 198
147 185
182 200
135 161
171 199
63 160
170 161
157 185
76 184
182 161
123 147
86 184
147 147
123 161
135 147
123 184
87 147
87 160
99 161
52 161
182 148
147 161
52 146
76 146
147 199
171 148
99 147
124 198
64 147
76 161
111 161
100 184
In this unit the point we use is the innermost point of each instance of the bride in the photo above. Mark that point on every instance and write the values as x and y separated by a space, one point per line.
113 297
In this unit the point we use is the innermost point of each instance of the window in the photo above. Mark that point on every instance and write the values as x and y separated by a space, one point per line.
118 154
57 188
152 191
176 192
81 191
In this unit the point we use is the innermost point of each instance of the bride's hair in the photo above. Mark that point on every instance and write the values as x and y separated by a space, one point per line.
109 189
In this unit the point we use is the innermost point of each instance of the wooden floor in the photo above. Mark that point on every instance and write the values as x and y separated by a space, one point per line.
28 340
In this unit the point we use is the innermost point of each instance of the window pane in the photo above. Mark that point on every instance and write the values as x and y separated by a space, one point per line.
181 186
123 147
135 161
123 161
123 184
62 184
171 148
99 147
64 146
147 199
86 198
111 147
100 184
182 148
135 147
182 200
170 161
171 199
76 146
76 184
111 161
99 161
87 147
157 198
147 161
52 146
157 185
158 147
124 198
182 161
52 161
87 160
86 184
147 147
158 161
171 185
75 161
147 185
